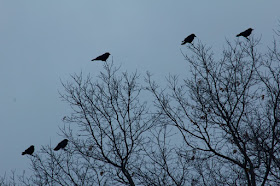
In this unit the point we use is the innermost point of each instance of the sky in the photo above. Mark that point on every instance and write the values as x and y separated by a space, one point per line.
43 42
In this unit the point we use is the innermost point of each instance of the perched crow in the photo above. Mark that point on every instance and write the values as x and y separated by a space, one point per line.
103 57
246 33
61 145
29 151
188 39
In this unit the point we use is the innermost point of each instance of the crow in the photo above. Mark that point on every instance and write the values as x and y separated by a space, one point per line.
29 151
103 57
246 33
188 39
61 145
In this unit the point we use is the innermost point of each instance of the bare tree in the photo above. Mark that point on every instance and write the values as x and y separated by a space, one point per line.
106 133
227 111
112 122
114 136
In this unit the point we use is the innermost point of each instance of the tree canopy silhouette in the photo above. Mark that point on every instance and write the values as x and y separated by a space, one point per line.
218 126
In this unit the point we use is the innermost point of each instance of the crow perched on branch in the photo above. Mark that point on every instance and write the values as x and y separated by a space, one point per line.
246 33
188 39
29 151
61 145
103 57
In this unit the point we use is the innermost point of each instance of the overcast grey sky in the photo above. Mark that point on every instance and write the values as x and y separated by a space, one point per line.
42 42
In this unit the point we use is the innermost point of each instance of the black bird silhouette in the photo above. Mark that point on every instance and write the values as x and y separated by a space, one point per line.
29 151
61 145
188 39
103 57
246 33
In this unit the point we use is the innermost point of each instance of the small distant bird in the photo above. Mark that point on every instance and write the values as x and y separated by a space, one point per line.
193 157
29 151
246 33
61 145
194 151
90 147
103 57
188 39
